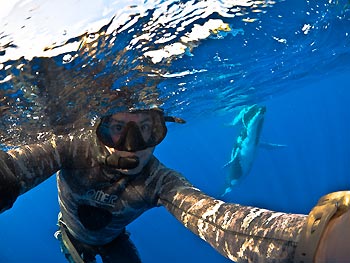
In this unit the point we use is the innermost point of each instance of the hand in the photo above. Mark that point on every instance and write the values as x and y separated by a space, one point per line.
334 245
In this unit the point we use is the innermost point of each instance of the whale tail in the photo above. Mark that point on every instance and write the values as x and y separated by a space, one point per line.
229 188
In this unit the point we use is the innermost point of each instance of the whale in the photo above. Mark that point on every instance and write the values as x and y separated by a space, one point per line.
246 144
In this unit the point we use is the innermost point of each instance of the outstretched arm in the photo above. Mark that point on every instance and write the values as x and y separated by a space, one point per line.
250 234
241 233
22 168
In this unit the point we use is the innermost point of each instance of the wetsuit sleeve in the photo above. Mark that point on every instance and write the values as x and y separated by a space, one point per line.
32 164
9 183
241 233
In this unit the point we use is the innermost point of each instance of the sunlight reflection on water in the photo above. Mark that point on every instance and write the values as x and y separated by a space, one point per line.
59 72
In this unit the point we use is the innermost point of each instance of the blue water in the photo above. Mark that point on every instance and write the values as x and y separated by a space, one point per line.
303 82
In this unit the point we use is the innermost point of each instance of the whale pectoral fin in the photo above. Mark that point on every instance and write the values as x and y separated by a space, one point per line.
271 146
227 164
235 122
238 117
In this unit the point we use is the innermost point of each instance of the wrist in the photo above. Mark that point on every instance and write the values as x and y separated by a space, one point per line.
319 223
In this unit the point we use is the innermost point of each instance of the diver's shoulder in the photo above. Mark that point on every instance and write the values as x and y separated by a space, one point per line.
81 144
78 139
155 165
158 168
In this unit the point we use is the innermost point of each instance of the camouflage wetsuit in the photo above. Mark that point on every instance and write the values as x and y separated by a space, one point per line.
97 202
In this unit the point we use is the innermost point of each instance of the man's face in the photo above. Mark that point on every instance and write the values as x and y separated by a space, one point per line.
143 121
119 122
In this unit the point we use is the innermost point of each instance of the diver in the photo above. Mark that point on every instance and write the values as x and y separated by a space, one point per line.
108 176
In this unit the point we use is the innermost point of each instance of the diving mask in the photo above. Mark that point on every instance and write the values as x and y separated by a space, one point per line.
134 134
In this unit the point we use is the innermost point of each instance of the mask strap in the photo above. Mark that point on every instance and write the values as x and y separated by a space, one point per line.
174 119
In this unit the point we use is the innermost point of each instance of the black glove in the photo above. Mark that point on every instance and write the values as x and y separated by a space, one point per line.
9 183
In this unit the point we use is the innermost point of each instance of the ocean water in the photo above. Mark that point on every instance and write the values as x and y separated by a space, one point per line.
291 56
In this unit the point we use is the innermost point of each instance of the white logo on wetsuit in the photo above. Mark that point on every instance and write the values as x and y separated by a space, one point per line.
101 197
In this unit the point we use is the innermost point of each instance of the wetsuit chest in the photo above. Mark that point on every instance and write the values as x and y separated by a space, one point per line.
105 188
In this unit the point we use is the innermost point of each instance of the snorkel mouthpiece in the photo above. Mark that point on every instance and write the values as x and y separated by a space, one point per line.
118 162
